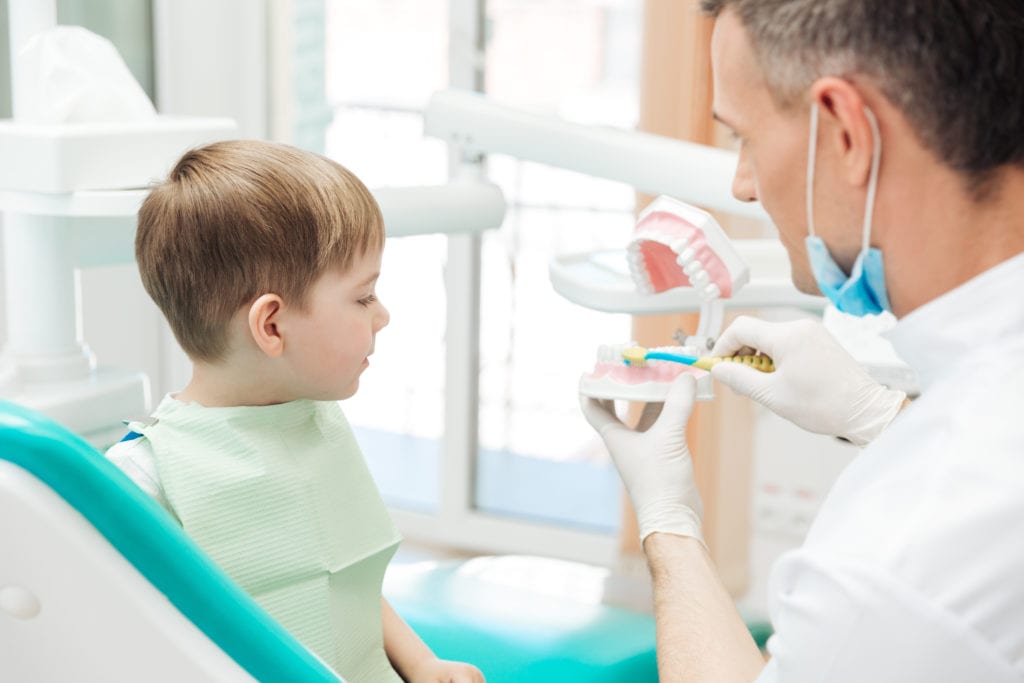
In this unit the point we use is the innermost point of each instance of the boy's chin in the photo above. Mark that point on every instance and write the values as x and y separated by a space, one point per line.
348 392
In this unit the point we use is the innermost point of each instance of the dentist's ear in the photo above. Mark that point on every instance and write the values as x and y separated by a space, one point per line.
843 125
264 316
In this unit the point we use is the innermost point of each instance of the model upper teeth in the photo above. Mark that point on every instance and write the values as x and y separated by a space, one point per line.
679 244
686 255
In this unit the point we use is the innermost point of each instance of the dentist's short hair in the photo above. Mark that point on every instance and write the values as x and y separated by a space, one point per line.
238 219
953 67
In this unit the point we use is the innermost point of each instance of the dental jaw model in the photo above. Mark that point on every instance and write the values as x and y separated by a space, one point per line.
674 245
612 378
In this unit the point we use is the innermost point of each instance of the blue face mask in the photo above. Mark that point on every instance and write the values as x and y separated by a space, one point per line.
863 292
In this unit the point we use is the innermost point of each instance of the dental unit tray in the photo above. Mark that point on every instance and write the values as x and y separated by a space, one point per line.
679 259
63 158
601 281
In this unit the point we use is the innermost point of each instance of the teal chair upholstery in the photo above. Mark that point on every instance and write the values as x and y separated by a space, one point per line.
524 619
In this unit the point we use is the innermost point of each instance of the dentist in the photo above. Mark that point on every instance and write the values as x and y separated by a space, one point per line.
886 141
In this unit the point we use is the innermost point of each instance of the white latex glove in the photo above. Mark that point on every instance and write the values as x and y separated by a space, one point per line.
654 461
816 385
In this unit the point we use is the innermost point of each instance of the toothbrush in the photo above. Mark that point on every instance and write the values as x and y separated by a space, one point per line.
638 356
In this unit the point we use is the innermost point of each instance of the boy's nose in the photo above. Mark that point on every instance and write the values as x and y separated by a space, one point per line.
383 318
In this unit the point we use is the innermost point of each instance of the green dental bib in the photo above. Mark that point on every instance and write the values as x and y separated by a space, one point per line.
280 497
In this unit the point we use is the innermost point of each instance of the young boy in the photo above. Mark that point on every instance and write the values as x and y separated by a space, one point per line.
264 260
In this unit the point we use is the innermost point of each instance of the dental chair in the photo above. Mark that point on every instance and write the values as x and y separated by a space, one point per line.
97 582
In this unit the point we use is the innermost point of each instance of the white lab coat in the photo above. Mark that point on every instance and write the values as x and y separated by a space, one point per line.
914 568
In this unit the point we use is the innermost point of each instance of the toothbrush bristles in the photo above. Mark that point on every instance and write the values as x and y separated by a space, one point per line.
635 356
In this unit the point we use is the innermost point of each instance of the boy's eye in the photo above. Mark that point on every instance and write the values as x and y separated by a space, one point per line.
366 301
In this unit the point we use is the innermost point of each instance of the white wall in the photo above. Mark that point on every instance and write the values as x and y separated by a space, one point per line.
793 472
212 60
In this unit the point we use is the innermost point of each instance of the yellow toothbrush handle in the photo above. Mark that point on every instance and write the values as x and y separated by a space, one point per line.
762 363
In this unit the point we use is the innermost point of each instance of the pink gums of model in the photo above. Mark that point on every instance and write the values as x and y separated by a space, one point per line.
613 379
678 245
664 240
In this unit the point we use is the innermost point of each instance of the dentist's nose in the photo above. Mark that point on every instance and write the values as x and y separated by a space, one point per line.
744 184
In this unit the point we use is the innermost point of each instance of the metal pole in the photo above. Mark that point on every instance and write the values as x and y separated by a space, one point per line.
462 283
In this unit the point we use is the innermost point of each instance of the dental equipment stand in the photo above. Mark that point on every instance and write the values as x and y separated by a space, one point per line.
67 192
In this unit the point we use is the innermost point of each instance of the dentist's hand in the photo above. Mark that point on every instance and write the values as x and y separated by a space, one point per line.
654 461
816 385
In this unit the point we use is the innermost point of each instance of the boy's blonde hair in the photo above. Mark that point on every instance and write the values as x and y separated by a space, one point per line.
241 218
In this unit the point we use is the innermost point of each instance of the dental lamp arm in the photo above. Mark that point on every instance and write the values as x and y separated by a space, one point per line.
816 385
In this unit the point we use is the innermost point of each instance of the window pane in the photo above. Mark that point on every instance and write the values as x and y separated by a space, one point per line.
383 61
538 457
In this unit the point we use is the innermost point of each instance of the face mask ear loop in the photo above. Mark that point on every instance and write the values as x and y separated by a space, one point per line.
812 146
876 159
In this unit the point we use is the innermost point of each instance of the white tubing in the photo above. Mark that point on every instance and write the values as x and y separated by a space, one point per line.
697 174
458 207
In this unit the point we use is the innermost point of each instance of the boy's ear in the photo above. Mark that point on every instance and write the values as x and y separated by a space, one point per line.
264 314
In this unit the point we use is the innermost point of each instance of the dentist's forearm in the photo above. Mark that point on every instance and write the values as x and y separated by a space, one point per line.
700 635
